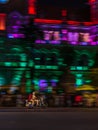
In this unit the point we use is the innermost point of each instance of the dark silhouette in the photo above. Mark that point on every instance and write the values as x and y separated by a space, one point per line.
31 31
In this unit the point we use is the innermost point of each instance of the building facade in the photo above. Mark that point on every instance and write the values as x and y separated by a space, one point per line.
64 57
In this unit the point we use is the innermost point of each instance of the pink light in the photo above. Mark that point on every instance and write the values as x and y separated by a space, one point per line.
15 35
46 35
64 35
73 37
93 43
74 43
55 42
40 41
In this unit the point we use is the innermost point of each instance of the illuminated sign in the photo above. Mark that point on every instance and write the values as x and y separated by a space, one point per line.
70 35
66 36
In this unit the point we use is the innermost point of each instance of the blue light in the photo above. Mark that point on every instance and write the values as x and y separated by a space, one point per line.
84 43
3 1
10 36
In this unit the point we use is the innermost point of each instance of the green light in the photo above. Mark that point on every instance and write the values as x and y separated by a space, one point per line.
43 67
55 67
36 87
23 64
48 58
37 58
36 81
28 75
37 66
91 62
72 68
48 67
16 49
49 89
21 69
14 64
60 61
79 82
8 63
30 64
17 78
36 84
23 57
78 75
85 68
2 81
79 68
19 72
88 81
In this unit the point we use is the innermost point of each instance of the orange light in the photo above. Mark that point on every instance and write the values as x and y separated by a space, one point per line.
2 21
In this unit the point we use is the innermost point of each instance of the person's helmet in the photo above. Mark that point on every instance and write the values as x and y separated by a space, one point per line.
33 93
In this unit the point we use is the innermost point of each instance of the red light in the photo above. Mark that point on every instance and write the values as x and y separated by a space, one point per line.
91 1
64 12
32 10
73 22
31 7
48 21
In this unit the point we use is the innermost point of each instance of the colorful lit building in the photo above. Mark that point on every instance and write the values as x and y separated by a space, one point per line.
64 57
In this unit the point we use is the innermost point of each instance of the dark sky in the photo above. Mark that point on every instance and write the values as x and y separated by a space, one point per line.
77 9
66 3
14 5
51 9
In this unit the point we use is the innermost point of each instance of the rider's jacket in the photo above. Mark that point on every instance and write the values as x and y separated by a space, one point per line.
29 97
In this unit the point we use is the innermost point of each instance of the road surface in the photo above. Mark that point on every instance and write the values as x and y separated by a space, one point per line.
30 120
